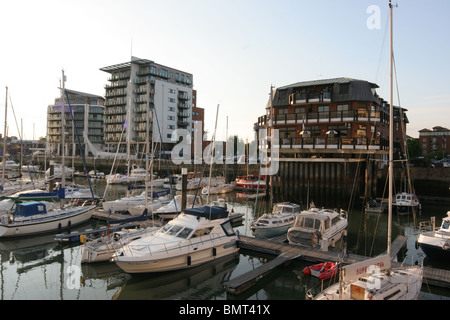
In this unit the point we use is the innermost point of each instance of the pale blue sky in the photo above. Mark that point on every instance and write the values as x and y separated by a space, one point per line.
235 49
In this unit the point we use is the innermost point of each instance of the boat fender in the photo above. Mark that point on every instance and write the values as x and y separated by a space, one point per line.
188 260
214 251
82 238
417 245
69 224
59 226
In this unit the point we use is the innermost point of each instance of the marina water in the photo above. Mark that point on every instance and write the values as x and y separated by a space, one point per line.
39 268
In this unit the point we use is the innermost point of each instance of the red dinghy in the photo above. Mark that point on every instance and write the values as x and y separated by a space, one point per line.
323 271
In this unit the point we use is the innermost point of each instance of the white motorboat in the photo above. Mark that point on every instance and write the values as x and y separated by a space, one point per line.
192 184
173 208
318 228
406 203
31 218
156 200
196 236
277 222
435 243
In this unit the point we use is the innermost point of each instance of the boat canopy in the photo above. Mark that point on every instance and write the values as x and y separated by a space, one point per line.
208 212
27 209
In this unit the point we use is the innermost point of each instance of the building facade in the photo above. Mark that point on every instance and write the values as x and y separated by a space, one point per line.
434 140
88 111
133 88
339 117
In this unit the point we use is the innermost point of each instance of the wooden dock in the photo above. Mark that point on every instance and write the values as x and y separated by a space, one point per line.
286 252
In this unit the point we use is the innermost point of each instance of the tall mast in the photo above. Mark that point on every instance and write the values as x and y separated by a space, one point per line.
5 140
63 125
391 132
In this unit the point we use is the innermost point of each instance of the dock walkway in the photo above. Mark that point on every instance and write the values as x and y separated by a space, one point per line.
286 252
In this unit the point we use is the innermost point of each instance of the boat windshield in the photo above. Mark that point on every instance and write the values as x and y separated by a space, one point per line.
307 222
177 231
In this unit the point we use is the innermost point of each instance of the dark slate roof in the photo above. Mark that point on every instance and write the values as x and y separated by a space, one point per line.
355 90
322 82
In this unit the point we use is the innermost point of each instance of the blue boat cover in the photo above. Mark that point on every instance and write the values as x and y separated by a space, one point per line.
27 209
208 212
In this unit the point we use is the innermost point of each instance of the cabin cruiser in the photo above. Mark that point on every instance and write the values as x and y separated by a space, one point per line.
406 203
318 227
277 222
31 218
196 236
57 172
435 243
173 208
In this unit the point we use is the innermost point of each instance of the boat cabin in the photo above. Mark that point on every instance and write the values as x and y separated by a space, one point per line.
320 221
286 207
27 209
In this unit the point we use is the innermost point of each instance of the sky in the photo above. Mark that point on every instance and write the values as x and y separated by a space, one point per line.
235 49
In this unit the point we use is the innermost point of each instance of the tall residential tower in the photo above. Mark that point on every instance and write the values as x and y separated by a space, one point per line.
133 88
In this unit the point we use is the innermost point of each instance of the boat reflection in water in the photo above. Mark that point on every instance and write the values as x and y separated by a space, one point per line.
204 282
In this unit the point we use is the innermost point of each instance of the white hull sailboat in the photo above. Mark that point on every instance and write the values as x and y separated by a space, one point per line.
32 218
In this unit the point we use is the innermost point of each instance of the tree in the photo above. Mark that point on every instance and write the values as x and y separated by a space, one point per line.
414 149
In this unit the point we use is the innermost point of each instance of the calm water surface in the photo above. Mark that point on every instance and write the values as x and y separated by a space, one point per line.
40 268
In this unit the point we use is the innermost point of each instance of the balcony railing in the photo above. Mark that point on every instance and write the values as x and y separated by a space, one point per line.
333 143
316 117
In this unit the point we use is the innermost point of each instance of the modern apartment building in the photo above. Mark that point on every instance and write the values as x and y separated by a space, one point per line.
435 140
88 111
133 88
339 117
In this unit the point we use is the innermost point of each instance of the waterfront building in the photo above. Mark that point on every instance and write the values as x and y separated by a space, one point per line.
88 112
339 117
135 86
333 137
434 140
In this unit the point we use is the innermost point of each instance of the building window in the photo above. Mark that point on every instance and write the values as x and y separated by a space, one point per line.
342 107
171 126
283 110
172 91
361 131
172 109
170 118
300 110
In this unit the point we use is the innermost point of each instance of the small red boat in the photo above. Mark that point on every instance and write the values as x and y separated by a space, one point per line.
323 271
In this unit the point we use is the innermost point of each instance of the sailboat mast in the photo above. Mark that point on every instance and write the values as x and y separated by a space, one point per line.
5 140
391 132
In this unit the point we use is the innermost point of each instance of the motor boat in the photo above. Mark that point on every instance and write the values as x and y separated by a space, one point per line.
196 236
31 218
406 203
435 243
173 208
10 165
277 222
218 188
318 228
